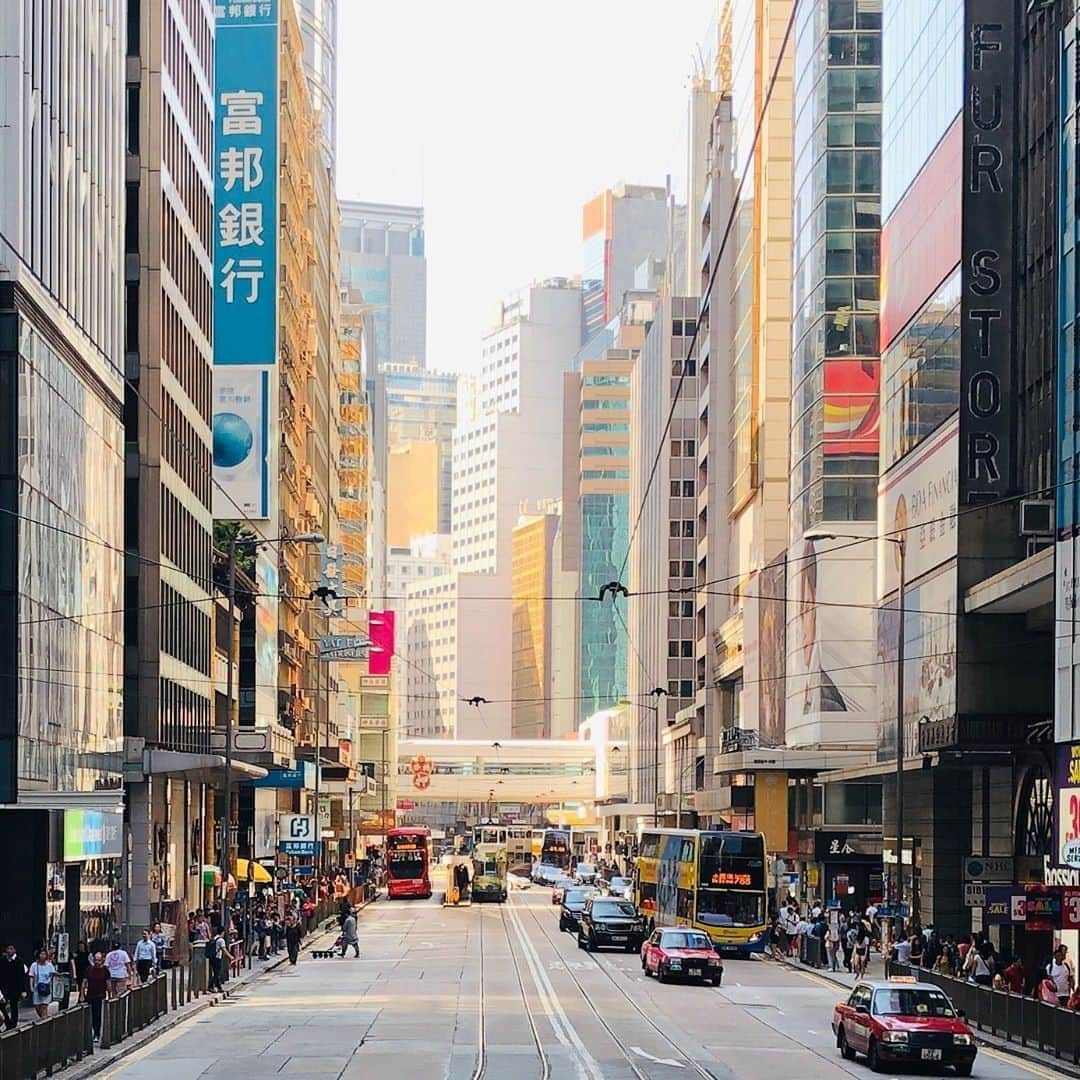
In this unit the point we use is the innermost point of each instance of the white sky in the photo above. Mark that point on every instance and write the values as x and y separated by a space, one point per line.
502 123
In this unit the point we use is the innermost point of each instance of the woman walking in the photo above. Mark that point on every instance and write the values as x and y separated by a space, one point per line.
42 971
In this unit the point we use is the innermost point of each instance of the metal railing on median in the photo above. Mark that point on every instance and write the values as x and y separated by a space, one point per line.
1053 1029
132 1010
46 1045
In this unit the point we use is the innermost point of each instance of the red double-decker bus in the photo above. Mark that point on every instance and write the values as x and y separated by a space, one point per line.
408 853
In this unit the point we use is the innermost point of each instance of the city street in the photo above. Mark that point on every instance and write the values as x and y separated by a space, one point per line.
498 992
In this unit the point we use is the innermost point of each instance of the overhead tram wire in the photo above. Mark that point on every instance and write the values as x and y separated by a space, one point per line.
728 228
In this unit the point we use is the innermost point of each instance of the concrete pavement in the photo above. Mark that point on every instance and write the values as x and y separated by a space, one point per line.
496 991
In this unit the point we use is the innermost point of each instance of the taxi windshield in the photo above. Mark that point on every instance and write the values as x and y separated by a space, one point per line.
678 939
912 1002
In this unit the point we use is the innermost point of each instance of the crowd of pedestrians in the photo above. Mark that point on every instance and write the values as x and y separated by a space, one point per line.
845 940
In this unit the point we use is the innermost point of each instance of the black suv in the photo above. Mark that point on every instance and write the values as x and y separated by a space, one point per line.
573 903
606 921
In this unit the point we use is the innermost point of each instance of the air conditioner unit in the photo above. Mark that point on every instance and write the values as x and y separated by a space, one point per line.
1036 517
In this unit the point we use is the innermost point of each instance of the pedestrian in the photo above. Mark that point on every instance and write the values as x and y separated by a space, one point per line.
145 957
42 971
157 936
917 949
1014 977
976 968
862 948
294 932
13 983
220 956
93 989
119 964
80 961
833 945
262 934
202 927
1060 971
349 937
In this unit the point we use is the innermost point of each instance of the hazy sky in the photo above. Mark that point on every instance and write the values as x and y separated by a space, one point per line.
502 119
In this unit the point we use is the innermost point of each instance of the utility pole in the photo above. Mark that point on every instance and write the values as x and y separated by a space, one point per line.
226 827
902 547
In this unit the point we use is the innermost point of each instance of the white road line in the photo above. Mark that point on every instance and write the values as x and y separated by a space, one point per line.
659 1061
564 1030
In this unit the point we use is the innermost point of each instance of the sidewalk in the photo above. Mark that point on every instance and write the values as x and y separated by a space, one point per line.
875 970
321 937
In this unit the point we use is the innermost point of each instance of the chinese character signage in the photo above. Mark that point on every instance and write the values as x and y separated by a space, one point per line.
245 253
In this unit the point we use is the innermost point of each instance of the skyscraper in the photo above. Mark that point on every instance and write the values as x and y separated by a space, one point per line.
318 24
168 687
382 260
62 397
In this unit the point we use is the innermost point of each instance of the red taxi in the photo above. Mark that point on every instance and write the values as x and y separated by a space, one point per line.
669 953
901 1020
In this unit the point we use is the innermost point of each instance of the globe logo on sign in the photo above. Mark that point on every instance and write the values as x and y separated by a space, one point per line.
233 440
975 868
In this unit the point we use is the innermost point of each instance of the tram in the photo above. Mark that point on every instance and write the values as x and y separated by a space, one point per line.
408 858
489 862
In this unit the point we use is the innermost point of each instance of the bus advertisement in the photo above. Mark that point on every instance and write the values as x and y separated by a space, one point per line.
408 855
713 881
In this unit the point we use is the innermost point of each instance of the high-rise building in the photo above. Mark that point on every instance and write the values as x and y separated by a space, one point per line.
168 503
662 568
421 413
426 557
318 24
382 259
62 532
621 228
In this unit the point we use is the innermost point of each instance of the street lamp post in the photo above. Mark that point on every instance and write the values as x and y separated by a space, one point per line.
237 541
901 546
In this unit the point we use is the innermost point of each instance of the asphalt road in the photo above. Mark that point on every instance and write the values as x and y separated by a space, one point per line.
414 1006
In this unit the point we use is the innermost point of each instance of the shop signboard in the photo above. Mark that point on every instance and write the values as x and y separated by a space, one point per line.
1042 907
988 868
1067 801
296 834
1004 904
974 894
92 834
1070 909
301 777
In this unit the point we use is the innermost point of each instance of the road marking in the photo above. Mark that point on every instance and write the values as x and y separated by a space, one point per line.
659 1061
1018 1062
564 1030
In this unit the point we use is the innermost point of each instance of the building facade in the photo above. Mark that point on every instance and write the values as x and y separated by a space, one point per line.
318 24
62 465
382 258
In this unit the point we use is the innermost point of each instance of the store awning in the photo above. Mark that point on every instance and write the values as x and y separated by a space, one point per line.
203 768
105 802
259 874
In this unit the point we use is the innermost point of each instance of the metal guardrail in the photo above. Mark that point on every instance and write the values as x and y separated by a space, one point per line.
46 1045
1051 1029
122 1016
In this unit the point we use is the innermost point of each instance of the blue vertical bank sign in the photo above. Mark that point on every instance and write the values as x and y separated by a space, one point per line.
245 254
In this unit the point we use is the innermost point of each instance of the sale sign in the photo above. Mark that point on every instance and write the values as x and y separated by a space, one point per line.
1070 909
1067 800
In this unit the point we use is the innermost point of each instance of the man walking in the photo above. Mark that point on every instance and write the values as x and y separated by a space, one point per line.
349 937
220 956
145 956
13 984
293 933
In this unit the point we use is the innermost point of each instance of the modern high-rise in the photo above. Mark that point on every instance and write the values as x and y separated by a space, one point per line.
662 567
168 501
62 460
421 412
318 24
426 557
382 258
621 228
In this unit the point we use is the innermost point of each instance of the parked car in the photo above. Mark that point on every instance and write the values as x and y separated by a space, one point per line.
604 921
676 952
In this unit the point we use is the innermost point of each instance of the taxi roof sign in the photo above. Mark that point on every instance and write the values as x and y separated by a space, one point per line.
903 979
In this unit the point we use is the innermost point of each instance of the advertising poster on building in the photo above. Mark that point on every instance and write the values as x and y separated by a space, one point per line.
1067 804
245 256
831 673
929 660
772 638
917 499
266 636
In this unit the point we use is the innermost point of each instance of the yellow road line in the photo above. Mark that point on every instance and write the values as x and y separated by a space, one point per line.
1015 1061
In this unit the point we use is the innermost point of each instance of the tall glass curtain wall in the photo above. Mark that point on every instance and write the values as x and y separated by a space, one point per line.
837 243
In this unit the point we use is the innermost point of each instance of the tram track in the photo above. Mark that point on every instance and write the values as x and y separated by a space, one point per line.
627 1051
483 1057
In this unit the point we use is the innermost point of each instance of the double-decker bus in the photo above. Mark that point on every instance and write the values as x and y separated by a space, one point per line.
714 881
408 855
555 850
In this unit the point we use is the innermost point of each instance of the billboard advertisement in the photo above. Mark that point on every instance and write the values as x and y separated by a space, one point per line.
266 635
772 636
929 660
245 255
852 409
1067 805
918 499
381 632
831 674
